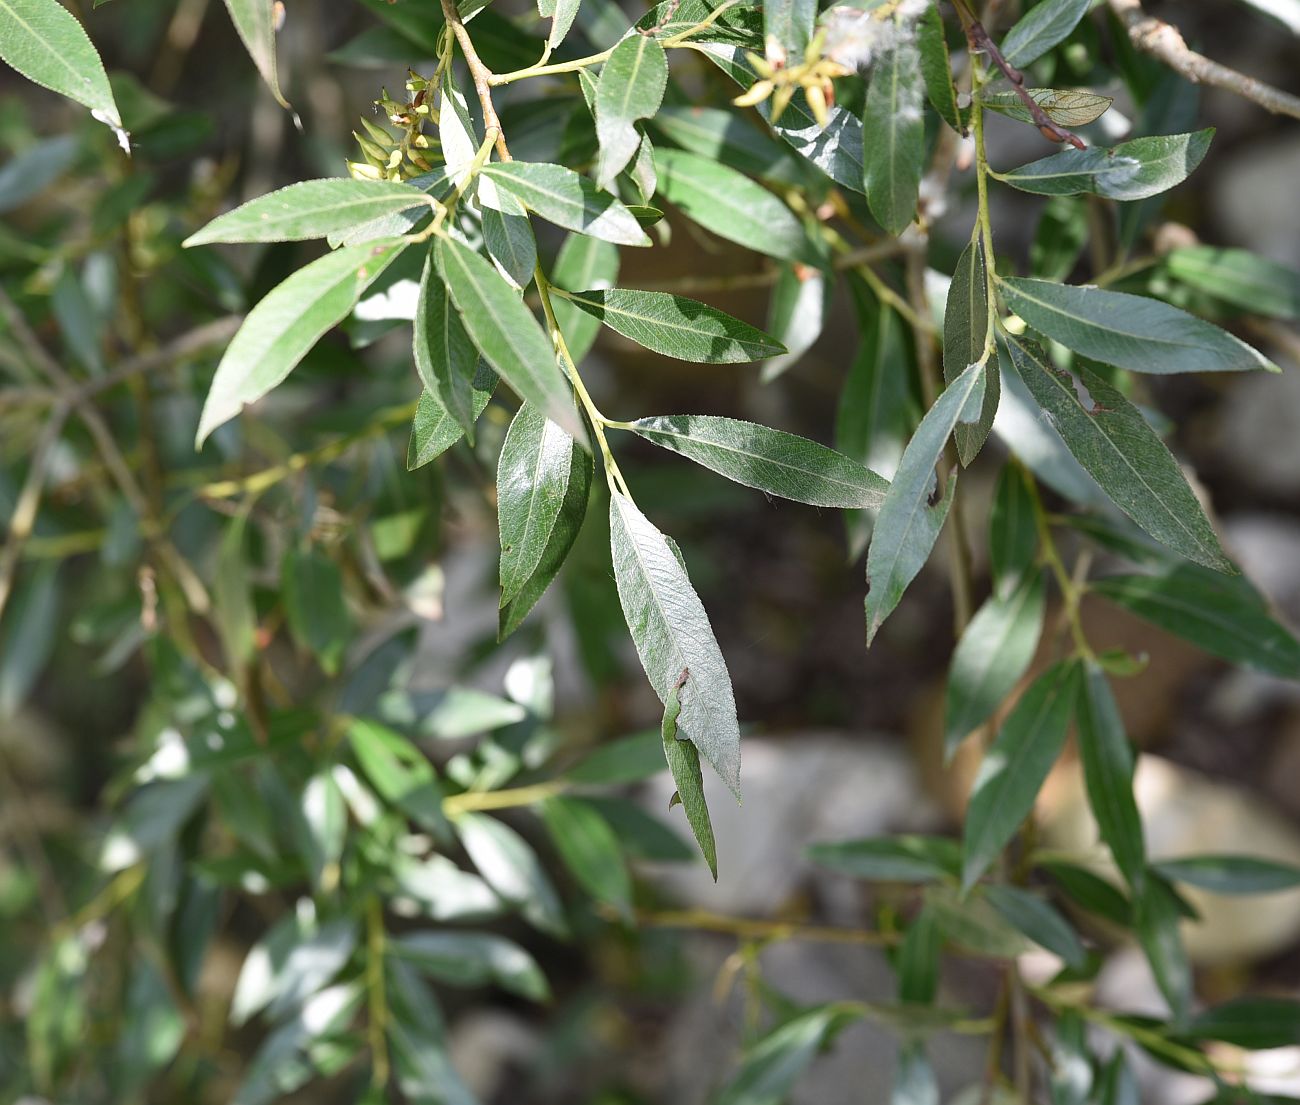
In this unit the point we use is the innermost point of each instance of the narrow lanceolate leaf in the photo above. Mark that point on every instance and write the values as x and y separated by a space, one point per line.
590 850
1231 874
445 358
1130 171
1256 1023
771 1067
1015 767
507 234
1013 529
1038 920
510 866
583 262
312 587
893 137
283 327
672 635
992 655
472 959
631 87
770 460
434 431
561 196
1116 446
1156 919
1211 616
684 764
565 12
46 44
532 482
1130 331
255 22
909 524
1108 775
563 534
801 301
900 858
730 205
676 326
310 209
507 334
1067 106
966 341
789 23
936 67
1042 27
1237 276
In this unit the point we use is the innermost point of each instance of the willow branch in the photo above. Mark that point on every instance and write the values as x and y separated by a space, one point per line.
1165 42
479 73
979 40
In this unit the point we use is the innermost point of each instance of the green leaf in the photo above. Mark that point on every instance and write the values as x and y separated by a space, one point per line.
993 654
731 205
434 431
1255 1023
966 341
1231 874
918 959
532 482
29 630
936 67
631 87
1253 283
672 635
583 262
1013 529
511 867
472 959
684 764
563 534
915 1082
1132 170
893 137
770 460
1038 920
1157 918
290 964
1108 775
1213 617
507 234
797 313
566 199
626 760
46 44
401 773
283 327
720 135
321 827
900 858
310 209
255 22
1067 106
1116 446
507 334
771 1067
908 524
562 16
1092 892
789 24
1042 27
590 850
445 358
640 835
1015 767
676 326
34 169
313 602
1130 331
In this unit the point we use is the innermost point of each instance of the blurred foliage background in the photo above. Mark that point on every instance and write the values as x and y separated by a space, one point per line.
301 568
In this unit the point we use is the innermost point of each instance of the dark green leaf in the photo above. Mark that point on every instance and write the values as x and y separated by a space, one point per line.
1013 529
445 358
936 67
1132 170
507 234
967 341
908 524
400 772
993 654
434 431
532 483
1256 1023
1117 447
1092 892
1038 920
1157 917
676 326
28 632
1231 874
770 460
893 137
918 959
313 602
892 859
631 87
1131 331
561 196
583 262
1108 775
472 959
1016 765
684 764
507 334
1042 27
626 760
590 850
672 635
771 1067
720 135
1253 283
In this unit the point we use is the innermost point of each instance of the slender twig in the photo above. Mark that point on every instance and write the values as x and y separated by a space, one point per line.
23 517
699 920
1165 43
